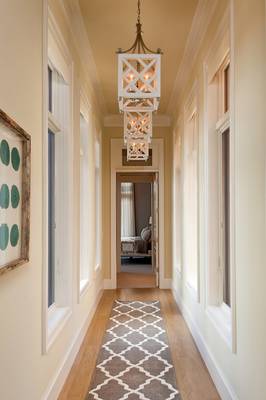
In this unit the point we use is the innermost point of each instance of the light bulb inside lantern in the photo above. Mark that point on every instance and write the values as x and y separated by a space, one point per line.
131 77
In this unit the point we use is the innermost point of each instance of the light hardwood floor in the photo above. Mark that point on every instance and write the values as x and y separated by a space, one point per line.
193 379
131 280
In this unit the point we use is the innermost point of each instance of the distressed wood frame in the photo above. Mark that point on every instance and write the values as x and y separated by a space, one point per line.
25 196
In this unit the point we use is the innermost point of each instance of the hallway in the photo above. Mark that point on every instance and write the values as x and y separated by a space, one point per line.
132 166
193 379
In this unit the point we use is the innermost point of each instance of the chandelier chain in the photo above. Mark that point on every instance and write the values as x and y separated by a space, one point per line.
139 44
138 11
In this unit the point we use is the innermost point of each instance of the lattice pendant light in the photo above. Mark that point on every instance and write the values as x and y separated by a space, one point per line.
150 104
137 150
139 90
138 125
139 74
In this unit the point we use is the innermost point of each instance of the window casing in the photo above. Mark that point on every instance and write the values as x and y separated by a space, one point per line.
58 192
222 79
218 189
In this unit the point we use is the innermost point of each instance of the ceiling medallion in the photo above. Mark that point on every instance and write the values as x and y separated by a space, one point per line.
139 90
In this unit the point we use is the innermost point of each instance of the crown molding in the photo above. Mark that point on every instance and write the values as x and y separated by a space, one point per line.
74 19
116 120
201 20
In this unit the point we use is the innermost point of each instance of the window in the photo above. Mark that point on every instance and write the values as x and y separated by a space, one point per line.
128 226
84 202
222 78
58 201
57 147
51 218
225 214
226 86
191 202
50 89
218 201
97 204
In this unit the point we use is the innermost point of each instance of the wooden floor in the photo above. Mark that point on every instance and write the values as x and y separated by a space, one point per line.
131 280
193 379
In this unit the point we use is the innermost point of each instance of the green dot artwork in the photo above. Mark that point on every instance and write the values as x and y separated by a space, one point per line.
9 194
15 197
5 152
14 235
15 158
4 236
4 196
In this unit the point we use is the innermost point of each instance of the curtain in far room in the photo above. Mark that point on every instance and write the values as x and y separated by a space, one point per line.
128 226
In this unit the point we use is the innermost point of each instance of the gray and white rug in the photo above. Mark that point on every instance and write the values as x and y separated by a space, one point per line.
134 362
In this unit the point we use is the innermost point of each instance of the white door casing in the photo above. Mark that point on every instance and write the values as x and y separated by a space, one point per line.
157 166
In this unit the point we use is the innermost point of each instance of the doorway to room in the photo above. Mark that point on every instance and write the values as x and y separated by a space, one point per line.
137 230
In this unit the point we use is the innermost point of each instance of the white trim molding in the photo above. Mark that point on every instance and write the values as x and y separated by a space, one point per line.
158 146
54 46
74 19
221 46
202 18
223 386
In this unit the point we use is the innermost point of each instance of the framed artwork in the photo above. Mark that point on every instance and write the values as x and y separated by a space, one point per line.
15 148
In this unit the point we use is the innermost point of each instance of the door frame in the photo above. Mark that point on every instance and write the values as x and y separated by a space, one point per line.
135 177
158 144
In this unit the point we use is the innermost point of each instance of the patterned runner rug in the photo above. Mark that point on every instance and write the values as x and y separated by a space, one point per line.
134 362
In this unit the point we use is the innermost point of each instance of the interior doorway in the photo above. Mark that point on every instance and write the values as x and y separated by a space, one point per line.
137 230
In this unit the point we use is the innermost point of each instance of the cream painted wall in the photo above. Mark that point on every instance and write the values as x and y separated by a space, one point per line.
240 375
108 134
25 372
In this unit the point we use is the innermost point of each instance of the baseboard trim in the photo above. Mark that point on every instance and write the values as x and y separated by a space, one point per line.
224 388
165 283
108 284
59 379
